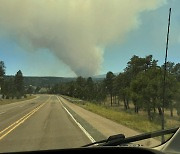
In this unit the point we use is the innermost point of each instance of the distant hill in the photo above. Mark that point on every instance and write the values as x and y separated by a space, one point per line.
50 81
46 81
99 76
43 81
102 76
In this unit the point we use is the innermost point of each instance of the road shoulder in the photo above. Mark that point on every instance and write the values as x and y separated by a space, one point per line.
105 126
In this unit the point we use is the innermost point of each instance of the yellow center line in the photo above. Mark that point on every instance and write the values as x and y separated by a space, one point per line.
15 122
10 128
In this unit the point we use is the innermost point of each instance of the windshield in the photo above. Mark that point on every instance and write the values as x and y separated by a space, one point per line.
73 72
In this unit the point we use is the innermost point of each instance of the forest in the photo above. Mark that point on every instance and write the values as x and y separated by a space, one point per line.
141 83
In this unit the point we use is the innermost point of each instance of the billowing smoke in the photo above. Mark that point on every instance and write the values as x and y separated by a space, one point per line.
76 31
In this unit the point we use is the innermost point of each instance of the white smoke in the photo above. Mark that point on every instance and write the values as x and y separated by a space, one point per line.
76 31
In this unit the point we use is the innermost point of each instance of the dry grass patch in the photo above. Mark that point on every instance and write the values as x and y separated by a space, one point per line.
8 101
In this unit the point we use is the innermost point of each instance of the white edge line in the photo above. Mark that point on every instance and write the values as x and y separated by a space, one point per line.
80 126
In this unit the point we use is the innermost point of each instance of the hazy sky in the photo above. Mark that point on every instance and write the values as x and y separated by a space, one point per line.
84 37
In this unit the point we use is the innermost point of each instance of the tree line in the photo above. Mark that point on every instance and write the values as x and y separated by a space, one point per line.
12 87
81 88
141 83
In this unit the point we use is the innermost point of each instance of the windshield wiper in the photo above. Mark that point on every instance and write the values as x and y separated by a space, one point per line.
120 138
111 138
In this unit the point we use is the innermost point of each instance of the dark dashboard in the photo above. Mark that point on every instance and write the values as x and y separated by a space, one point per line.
109 150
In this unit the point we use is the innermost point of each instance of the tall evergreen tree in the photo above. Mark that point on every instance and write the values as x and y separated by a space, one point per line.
2 73
109 83
19 84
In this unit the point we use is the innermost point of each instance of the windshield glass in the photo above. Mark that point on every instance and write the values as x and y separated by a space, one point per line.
73 72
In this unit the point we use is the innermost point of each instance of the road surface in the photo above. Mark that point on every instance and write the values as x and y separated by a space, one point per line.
38 124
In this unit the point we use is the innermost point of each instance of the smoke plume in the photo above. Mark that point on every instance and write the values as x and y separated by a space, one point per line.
76 31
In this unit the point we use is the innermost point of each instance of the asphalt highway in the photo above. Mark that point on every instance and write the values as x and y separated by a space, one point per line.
38 124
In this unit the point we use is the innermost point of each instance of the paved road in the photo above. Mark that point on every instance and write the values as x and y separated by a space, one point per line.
38 124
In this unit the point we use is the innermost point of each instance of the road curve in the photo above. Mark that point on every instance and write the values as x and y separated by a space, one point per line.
38 124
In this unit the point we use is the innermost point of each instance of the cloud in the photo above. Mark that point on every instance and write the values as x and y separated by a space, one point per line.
76 31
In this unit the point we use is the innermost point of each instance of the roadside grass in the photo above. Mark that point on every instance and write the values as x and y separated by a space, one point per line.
134 121
138 122
9 101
